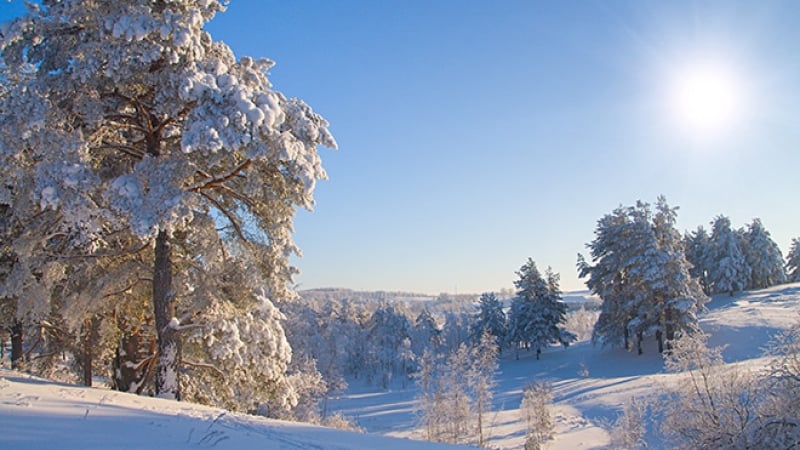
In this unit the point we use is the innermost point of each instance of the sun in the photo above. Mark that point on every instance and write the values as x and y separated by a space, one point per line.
706 99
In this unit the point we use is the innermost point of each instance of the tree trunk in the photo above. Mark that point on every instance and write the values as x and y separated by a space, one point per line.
660 339
639 342
627 340
16 346
89 339
169 345
134 360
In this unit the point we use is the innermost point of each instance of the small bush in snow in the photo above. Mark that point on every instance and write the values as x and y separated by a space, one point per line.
713 404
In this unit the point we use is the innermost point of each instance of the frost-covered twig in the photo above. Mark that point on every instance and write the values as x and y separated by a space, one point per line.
211 367
218 181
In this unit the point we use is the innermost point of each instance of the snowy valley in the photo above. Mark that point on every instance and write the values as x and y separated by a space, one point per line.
590 387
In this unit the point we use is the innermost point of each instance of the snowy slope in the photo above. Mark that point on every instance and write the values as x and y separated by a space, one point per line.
39 414
590 384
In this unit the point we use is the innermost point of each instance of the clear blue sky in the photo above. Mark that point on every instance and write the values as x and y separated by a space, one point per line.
476 134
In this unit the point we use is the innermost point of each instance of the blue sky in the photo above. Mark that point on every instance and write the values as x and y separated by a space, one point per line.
476 134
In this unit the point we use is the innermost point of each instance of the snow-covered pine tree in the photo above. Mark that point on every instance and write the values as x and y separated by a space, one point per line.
763 256
426 333
455 330
642 275
136 120
389 329
728 269
793 261
539 315
491 317
697 245
677 296
607 277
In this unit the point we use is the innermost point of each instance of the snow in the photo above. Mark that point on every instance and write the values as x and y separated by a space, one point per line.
36 413
590 386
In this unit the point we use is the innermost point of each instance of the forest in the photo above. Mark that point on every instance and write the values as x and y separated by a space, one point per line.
150 181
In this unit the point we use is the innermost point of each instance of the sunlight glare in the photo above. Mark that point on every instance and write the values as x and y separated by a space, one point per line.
706 99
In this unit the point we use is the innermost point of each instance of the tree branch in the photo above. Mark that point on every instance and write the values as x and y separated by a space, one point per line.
127 149
227 214
128 287
203 366
223 178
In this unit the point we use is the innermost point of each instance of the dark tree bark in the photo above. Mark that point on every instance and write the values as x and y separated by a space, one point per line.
134 360
17 356
169 345
660 339
90 337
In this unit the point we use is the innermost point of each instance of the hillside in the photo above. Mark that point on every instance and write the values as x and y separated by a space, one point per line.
37 414
591 384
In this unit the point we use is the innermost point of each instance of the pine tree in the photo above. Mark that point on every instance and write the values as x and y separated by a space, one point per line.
427 335
642 275
676 296
763 256
698 248
388 331
538 313
729 271
138 124
793 261
490 318
610 278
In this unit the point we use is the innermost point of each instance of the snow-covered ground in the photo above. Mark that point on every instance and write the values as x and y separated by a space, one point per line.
590 385
40 414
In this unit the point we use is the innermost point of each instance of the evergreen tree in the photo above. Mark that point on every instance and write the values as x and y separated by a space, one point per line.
728 270
128 119
427 335
491 318
642 276
389 330
610 278
538 313
793 261
698 249
763 256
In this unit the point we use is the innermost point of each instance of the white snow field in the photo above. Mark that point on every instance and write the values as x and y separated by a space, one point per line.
589 385
40 414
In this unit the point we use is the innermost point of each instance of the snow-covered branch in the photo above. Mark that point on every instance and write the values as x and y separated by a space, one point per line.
223 210
218 181
198 365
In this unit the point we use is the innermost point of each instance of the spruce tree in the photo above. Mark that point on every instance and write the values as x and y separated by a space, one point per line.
538 313
763 256
729 272
490 318
793 261
641 273
698 248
